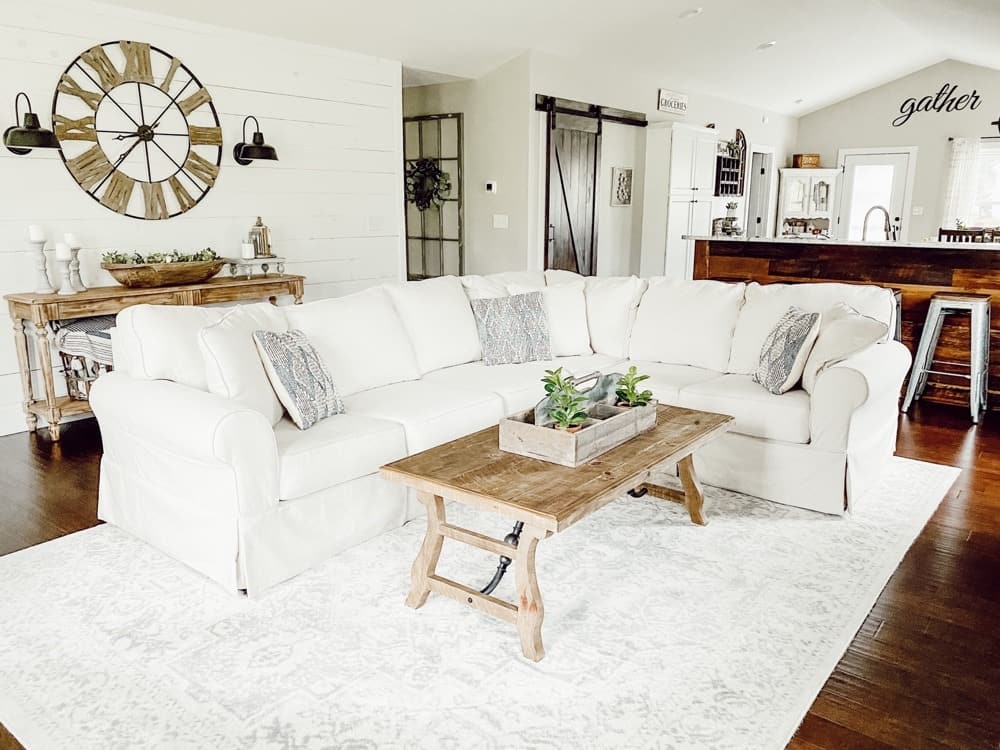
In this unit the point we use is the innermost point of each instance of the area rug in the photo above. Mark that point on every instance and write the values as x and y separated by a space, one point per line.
657 633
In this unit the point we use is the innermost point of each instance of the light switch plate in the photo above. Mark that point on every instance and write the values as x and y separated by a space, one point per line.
492 186
501 221
918 210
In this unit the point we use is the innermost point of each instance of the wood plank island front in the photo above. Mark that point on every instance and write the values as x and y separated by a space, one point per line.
917 270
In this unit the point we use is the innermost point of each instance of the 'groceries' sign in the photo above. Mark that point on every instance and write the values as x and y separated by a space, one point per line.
672 102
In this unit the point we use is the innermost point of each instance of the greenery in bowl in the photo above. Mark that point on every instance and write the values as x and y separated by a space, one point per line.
628 392
116 258
566 407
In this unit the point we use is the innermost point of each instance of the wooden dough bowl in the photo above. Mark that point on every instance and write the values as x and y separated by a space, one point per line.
146 275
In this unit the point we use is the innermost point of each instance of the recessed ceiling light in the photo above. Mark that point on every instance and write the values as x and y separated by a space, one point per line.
691 13
765 45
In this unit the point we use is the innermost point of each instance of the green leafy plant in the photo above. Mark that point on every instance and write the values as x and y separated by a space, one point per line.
567 407
115 258
628 391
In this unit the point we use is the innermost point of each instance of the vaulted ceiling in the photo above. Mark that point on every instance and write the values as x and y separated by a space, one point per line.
825 50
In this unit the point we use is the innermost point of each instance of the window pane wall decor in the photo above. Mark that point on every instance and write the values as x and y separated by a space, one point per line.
432 149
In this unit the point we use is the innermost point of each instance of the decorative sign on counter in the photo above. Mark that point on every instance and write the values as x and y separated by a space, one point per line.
945 100
672 102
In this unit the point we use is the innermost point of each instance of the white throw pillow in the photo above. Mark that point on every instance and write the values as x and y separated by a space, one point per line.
611 306
566 310
232 365
843 332
299 376
163 342
361 339
765 304
686 323
786 349
439 321
555 277
480 287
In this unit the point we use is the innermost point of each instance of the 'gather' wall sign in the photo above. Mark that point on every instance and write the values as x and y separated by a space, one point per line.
944 100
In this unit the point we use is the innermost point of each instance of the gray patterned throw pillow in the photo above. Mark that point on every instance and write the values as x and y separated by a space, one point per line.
786 349
512 329
299 376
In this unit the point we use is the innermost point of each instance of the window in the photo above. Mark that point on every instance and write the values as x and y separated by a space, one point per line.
972 198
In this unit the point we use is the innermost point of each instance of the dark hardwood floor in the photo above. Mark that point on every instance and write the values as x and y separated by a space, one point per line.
923 671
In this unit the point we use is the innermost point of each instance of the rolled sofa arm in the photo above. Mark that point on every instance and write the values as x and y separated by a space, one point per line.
871 379
168 432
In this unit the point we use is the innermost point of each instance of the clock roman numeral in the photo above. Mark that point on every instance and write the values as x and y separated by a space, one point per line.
68 86
137 63
75 130
98 59
201 168
184 199
169 77
194 101
118 193
156 205
90 167
205 136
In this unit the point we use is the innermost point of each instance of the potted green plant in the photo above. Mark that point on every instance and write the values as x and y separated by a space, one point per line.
628 392
566 406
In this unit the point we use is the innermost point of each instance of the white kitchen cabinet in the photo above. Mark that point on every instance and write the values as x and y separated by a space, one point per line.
679 183
807 198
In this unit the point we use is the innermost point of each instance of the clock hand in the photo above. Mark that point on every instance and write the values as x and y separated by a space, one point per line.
114 167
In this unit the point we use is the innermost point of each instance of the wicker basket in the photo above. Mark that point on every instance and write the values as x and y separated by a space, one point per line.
805 161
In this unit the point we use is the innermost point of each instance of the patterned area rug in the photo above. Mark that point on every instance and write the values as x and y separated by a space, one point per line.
657 634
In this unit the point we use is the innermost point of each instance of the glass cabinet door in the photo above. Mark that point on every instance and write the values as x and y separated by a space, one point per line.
796 200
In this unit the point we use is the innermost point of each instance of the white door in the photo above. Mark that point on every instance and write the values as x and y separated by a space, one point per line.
760 191
870 180
705 149
678 224
682 150
700 225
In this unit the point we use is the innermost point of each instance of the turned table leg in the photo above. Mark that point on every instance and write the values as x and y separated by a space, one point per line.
24 364
530 610
427 559
52 413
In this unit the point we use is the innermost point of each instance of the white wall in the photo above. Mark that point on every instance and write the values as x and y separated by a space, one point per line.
333 201
865 121
496 147
619 228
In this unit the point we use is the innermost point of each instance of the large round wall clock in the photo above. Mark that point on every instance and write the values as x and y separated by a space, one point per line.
127 114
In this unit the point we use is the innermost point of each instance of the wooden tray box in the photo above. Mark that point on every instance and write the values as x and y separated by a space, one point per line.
609 427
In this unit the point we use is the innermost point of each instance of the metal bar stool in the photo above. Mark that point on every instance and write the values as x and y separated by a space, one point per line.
977 307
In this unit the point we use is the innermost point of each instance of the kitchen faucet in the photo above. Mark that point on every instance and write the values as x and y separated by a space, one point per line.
890 230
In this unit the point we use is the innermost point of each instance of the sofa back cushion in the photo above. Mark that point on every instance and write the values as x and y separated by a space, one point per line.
360 337
534 279
160 342
483 287
611 306
439 321
765 304
556 276
233 367
686 323
566 311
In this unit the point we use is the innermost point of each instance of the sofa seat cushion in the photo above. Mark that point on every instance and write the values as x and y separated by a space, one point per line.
667 381
758 413
519 386
430 413
333 451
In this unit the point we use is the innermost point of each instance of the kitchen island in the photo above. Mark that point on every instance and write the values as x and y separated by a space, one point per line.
916 269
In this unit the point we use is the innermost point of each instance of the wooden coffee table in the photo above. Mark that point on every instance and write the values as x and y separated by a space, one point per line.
542 499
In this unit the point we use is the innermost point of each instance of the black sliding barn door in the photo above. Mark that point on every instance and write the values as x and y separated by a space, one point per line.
572 169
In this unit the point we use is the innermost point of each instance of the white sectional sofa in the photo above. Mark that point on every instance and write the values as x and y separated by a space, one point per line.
200 462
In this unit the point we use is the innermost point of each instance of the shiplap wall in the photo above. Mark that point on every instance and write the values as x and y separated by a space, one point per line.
333 200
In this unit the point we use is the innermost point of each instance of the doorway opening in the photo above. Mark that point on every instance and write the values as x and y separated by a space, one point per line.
874 180
760 199
572 176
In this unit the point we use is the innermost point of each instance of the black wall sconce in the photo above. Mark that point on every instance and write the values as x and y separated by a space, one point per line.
23 139
244 153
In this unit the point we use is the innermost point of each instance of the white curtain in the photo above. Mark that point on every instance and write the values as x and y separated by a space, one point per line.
960 191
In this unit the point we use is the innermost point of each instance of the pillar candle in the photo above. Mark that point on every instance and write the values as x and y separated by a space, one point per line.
71 240
63 251
246 250
36 233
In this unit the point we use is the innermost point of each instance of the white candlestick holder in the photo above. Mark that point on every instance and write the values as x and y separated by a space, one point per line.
42 283
67 283
74 270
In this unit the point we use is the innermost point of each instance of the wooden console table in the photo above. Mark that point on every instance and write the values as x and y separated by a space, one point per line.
42 309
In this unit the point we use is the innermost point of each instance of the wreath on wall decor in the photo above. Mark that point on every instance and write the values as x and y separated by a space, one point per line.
426 184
